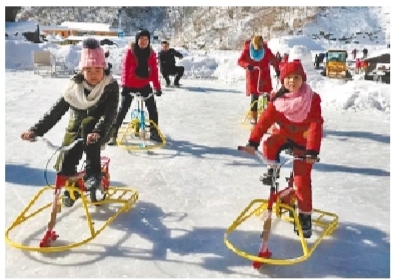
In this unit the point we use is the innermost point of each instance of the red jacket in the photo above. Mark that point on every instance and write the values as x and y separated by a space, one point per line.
307 134
245 60
130 62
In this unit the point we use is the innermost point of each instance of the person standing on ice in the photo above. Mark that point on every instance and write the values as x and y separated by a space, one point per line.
139 69
296 109
92 96
257 54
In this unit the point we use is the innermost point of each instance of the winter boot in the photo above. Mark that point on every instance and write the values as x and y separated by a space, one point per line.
176 81
306 224
112 140
154 136
92 182
254 117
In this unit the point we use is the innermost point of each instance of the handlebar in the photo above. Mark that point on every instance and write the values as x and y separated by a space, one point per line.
138 95
259 81
60 148
292 158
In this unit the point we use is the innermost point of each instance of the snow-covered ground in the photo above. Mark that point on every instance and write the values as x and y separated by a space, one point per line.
192 190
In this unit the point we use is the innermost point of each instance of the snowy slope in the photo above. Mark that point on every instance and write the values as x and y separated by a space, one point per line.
215 28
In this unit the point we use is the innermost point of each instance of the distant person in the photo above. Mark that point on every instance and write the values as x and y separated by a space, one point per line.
358 65
168 64
316 61
256 54
138 70
354 52
365 52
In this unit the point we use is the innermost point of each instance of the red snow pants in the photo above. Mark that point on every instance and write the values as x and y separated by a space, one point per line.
301 171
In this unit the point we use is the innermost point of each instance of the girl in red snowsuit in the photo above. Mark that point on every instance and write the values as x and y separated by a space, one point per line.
297 111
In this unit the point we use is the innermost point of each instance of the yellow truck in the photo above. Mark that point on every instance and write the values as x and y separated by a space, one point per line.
336 65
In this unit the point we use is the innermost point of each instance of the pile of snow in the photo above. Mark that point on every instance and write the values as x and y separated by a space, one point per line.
20 27
195 66
299 52
19 54
285 43
355 96
69 54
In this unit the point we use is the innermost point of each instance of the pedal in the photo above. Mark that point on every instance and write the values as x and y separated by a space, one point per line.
267 181
68 200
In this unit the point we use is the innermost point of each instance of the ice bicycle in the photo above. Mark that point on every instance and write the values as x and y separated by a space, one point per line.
139 127
74 185
261 103
278 203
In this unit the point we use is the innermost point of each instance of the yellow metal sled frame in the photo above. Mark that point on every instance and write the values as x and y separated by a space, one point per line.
126 196
131 128
328 228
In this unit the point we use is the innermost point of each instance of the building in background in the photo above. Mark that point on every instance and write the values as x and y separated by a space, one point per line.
73 32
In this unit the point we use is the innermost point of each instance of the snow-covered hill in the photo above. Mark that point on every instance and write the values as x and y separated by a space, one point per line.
227 27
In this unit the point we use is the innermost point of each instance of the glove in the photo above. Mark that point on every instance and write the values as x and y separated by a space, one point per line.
250 67
158 93
312 154
253 144
277 73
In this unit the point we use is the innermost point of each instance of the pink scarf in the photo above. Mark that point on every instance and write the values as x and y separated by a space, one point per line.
295 105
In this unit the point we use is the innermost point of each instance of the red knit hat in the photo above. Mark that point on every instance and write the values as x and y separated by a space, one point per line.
291 68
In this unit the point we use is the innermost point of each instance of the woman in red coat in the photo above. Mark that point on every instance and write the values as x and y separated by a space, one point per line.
297 111
139 69
256 54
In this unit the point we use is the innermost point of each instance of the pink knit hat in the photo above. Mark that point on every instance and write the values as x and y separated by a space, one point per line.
92 55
